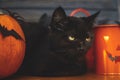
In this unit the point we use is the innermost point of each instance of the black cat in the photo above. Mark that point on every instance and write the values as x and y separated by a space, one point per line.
70 38
59 49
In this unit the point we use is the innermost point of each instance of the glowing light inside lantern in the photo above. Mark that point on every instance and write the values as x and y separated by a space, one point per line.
106 38
104 58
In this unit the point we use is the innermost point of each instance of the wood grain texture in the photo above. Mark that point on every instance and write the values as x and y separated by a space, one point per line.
104 4
118 3
31 10
89 76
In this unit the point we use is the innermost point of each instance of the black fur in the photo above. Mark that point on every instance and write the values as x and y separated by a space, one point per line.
59 49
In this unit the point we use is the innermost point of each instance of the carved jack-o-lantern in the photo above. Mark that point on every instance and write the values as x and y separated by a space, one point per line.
12 45
107 49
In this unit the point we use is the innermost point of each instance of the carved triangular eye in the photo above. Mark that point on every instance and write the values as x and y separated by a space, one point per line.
118 47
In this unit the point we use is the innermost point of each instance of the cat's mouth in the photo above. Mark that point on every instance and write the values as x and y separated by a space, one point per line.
70 55
70 50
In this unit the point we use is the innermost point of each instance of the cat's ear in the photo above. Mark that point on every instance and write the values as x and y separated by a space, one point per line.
58 14
43 18
91 19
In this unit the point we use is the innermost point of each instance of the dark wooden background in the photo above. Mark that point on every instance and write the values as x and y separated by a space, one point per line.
31 10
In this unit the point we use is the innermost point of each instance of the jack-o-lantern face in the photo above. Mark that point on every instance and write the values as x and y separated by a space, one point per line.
12 45
107 47
112 46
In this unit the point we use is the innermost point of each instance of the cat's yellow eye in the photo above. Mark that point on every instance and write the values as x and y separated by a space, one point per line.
88 39
71 38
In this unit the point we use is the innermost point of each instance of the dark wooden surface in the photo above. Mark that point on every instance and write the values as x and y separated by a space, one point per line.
89 76
118 5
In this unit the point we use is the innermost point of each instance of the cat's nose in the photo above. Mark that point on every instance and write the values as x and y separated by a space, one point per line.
81 43
80 48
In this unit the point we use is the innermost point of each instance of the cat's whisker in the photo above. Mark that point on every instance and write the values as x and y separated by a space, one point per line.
61 24
60 29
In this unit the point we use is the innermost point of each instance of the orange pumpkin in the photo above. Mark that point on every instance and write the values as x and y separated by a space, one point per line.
12 45
107 49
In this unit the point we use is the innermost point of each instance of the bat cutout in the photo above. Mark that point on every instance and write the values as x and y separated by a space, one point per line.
116 58
6 33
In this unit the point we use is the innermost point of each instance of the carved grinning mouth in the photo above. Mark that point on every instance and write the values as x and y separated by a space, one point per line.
113 59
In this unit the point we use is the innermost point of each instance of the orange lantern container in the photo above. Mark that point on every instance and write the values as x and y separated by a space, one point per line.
107 49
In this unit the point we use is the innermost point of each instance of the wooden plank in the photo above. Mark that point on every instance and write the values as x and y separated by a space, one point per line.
102 4
34 15
118 2
31 10
88 76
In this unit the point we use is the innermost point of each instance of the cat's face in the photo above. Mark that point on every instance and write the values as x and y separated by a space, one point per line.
70 34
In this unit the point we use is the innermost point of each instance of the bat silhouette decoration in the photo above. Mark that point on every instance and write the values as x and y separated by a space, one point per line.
116 58
5 32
